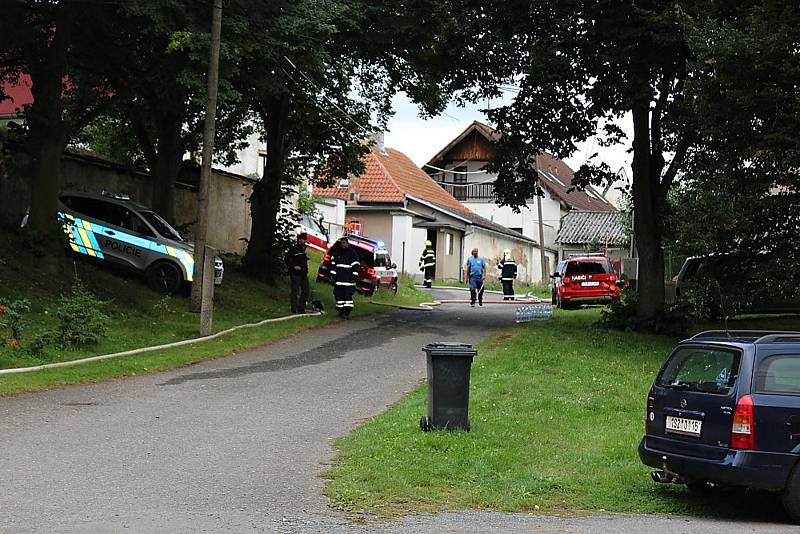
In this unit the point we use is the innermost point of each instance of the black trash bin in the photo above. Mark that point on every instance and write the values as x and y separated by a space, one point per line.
448 386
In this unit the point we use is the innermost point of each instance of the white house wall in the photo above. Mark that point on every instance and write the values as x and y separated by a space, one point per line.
407 244
527 219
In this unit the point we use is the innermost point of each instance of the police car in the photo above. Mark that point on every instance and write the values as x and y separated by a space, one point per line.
113 229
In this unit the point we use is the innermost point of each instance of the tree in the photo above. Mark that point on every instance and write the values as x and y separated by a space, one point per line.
581 66
39 39
314 74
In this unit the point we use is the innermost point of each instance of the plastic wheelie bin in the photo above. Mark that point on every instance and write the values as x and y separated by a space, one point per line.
448 386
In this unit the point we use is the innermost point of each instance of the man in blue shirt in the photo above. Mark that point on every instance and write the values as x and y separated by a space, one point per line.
476 276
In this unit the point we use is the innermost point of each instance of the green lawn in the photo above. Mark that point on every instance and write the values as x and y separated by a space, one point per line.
557 414
141 318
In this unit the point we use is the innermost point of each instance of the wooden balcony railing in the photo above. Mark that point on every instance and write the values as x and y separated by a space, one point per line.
466 192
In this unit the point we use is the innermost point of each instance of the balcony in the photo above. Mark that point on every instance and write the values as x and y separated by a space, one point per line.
470 192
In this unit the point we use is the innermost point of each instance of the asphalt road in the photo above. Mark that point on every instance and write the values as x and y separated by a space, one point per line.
237 444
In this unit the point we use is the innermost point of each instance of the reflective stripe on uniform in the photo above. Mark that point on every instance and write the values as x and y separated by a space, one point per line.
345 283
506 279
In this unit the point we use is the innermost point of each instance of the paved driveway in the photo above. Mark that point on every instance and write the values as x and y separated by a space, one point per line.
236 444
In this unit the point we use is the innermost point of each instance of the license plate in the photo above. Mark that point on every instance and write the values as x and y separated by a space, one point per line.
590 284
681 425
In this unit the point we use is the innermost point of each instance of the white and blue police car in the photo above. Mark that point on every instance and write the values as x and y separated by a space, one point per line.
113 229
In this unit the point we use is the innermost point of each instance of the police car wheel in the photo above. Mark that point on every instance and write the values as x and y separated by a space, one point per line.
165 277
394 288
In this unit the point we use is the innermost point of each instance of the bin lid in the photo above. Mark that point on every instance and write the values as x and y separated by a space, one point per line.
449 348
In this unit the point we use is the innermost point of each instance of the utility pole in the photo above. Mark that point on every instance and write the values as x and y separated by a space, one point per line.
202 301
542 253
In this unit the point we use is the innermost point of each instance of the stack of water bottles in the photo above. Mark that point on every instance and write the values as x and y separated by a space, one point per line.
533 312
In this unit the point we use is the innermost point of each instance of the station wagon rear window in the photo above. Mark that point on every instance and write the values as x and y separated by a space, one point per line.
588 267
779 375
702 369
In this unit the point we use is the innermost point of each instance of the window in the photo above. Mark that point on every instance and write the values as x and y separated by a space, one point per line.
701 369
87 206
515 229
448 243
161 226
460 192
125 218
382 260
779 375
588 267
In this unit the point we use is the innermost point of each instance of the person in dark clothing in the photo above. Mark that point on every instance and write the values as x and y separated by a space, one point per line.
297 262
344 270
427 264
508 272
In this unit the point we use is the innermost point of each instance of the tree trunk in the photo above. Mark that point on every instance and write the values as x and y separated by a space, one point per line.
261 259
47 135
167 165
648 214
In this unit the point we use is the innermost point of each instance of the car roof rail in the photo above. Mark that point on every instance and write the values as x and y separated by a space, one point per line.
587 255
753 336
783 337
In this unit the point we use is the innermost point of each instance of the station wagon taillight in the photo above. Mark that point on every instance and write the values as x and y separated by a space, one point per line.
326 258
743 432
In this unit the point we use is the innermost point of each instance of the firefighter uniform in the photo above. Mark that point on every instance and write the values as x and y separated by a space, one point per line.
297 262
344 270
508 272
427 264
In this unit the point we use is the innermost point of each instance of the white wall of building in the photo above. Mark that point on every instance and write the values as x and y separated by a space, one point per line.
409 239
251 161
527 219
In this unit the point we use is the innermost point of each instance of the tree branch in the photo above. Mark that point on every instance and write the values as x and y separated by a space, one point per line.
145 142
674 166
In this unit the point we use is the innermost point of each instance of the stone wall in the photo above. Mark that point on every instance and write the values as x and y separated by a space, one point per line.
229 217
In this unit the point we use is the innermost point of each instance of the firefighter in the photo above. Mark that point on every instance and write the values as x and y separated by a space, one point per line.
427 263
344 270
508 271
297 262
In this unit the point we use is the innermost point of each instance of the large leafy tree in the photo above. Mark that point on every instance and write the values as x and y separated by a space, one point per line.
314 73
583 66
741 189
41 40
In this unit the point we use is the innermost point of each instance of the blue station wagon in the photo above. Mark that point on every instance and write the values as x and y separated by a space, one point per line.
725 410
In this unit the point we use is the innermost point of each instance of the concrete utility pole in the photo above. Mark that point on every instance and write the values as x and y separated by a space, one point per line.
202 301
542 253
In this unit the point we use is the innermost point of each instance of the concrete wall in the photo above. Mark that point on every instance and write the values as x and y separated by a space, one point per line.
229 218
376 225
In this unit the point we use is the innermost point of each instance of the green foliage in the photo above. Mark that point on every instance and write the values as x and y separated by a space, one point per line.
306 202
621 315
12 320
81 321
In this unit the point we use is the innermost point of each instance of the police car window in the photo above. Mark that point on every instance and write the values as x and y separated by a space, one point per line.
86 206
779 375
161 226
588 267
125 218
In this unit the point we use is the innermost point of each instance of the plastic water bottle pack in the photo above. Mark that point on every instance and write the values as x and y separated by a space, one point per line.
533 312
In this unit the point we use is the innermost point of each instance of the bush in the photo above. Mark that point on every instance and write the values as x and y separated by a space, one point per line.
81 321
12 321
621 315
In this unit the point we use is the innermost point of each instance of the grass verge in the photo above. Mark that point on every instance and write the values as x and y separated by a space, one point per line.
557 414
141 318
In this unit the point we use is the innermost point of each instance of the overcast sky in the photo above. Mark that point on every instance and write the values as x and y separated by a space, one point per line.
421 139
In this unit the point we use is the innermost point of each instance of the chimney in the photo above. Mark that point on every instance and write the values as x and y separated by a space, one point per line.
377 140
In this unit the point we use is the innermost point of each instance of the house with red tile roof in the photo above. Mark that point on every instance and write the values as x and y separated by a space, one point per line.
459 169
396 202
14 96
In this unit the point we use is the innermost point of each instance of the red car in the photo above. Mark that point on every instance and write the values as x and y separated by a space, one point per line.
377 270
588 279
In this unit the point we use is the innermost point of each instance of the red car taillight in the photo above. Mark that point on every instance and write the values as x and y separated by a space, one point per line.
326 258
566 279
743 431
371 272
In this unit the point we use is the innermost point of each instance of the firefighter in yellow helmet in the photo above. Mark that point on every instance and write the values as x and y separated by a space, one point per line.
427 264
508 272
